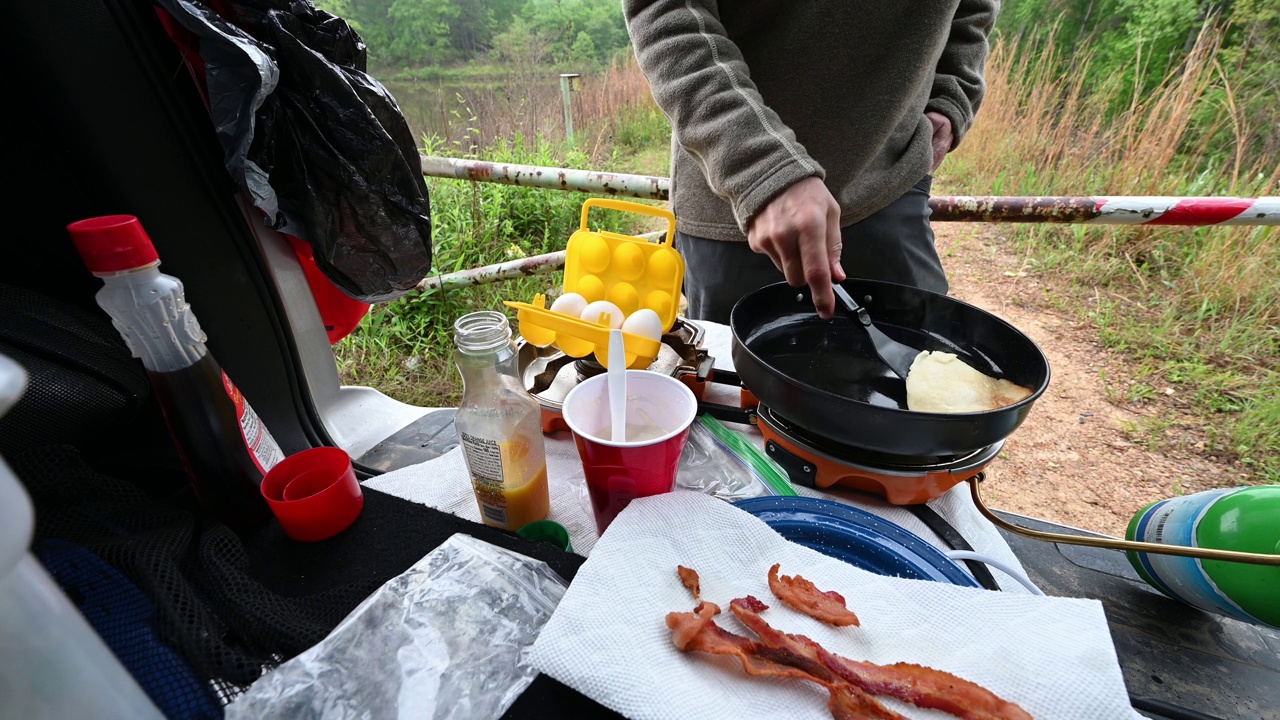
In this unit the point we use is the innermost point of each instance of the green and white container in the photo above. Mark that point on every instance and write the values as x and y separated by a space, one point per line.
1242 519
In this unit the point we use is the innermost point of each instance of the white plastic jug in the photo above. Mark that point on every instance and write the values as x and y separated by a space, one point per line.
52 663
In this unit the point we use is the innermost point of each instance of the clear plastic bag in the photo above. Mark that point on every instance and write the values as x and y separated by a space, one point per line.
707 467
720 462
447 639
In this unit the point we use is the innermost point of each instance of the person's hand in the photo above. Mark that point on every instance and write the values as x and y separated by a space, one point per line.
800 231
941 137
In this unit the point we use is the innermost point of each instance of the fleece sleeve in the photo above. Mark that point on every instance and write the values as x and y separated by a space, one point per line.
701 81
958 85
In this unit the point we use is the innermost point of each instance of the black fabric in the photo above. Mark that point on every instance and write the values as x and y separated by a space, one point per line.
224 622
390 535
894 245
125 620
229 606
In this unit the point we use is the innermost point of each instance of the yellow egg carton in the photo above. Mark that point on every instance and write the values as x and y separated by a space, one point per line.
629 272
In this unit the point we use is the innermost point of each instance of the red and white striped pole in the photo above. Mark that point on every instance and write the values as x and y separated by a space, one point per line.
1093 210
1108 210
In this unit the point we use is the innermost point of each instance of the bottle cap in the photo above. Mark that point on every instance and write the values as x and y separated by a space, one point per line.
314 494
548 531
112 243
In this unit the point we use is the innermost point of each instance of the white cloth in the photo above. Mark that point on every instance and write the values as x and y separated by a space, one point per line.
608 639
443 483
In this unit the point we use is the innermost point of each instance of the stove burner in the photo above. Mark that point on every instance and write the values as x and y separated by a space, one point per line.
817 462
860 457
588 367
549 374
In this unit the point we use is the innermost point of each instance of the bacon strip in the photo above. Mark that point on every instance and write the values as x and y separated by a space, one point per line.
921 686
697 631
690 579
828 607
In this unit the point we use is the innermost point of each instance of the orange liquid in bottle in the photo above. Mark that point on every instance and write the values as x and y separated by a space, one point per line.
513 508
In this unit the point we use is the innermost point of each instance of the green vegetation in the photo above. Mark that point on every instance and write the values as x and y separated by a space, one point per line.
1072 111
413 34
404 348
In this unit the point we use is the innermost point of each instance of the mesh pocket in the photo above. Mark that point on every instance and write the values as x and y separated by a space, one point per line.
83 383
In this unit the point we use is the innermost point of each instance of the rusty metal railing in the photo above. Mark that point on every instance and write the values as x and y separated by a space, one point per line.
1094 210
548 178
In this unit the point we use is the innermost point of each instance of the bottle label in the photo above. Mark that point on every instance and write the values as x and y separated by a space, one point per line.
257 440
1174 522
484 463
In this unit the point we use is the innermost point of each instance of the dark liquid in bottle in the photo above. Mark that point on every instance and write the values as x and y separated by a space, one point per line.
202 419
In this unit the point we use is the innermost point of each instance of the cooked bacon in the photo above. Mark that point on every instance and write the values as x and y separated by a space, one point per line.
690 579
686 626
828 607
921 686
698 631
849 702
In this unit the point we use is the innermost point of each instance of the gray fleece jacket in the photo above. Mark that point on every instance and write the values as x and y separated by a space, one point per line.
764 93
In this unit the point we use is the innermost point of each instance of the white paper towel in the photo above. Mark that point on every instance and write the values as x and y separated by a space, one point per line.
608 638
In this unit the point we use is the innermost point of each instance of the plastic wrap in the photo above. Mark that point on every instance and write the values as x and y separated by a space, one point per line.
720 462
447 639
317 144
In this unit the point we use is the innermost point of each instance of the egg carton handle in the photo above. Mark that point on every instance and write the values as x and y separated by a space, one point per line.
631 207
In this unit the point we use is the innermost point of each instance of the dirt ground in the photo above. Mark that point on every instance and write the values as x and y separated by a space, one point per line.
1073 460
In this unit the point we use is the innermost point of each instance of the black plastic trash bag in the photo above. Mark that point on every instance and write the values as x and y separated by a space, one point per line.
320 147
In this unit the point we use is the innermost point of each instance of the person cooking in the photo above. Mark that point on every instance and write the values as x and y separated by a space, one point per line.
804 135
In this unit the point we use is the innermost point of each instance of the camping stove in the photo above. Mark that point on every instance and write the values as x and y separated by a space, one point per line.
814 461
817 462
548 374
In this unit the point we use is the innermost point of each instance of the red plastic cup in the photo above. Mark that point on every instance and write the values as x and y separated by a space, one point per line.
314 494
619 472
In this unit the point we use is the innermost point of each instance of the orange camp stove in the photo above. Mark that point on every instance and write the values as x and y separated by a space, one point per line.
816 462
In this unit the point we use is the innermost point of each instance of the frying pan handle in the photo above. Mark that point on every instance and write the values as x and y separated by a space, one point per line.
851 305
1111 543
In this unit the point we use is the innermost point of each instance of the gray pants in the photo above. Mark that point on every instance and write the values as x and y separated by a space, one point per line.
895 245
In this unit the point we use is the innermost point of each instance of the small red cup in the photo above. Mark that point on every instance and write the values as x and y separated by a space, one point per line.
619 472
314 494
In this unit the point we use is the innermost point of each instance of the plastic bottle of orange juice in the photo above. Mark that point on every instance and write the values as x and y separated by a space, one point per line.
499 424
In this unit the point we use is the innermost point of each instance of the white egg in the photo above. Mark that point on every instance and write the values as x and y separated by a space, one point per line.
569 304
644 323
592 313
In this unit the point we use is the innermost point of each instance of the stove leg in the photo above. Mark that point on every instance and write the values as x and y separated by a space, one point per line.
801 471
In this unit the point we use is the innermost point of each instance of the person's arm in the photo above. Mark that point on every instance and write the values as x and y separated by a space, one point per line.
749 157
958 85
701 81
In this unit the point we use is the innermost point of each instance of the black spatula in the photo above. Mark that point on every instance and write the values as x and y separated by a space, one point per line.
894 354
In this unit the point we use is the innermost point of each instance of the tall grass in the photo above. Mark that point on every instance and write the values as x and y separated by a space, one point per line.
1198 309
404 348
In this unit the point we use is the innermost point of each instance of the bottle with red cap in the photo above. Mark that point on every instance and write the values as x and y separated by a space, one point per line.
224 444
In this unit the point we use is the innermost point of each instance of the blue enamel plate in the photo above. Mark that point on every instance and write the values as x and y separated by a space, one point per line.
857 537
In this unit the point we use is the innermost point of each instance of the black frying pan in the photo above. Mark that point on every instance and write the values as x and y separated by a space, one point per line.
824 375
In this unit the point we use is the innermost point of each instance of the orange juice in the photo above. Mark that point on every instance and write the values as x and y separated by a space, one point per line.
511 508
516 494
